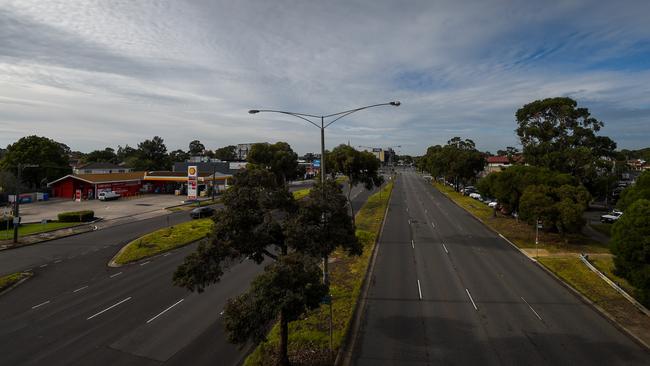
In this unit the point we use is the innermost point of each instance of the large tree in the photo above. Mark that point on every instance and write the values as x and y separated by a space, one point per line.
558 135
631 244
279 158
640 190
459 161
360 167
151 155
51 158
196 148
107 155
559 208
226 153
178 155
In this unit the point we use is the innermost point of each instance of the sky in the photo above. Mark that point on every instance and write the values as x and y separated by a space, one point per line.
93 74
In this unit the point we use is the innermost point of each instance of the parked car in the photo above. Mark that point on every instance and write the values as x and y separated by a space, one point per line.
493 204
476 196
108 195
200 212
611 217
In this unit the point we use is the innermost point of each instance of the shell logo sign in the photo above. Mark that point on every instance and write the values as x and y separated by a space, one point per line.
191 171
192 183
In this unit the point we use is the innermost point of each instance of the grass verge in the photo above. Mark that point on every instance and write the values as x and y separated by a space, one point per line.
309 337
163 240
36 228
606 266
11 279
301 193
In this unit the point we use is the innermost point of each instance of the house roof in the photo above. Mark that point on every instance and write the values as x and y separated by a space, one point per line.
182 176
104 178
99 165
503 159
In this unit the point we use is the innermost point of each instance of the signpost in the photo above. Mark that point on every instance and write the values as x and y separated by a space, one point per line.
192 177
537 227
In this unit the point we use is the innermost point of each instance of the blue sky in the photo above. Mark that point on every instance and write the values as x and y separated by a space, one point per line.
105 73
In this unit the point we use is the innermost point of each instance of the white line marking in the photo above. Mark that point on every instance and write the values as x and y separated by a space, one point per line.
409 221
115 275
43 265
41 304
142 264
419 290
470 297
434 225
80 288
105 246
28 269
502 237
412 244
531 308
58 261
164 311
222 311
109 308
166 254
444 246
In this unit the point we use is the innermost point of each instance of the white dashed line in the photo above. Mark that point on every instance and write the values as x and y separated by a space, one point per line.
115 275
41 304
164 311
28 269
109 308
531 308
80 288
166 254
472 300
58 261
434 225
43 265
412 244
142 264
444 246
419 290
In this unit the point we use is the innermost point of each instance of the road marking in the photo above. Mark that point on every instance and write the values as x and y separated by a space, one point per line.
166 254
28 269
58 261
502 237
470 297
434 225
444 246
115 275
109 308
105 246
419 290
41 304
142 264
531 308
80 288
412 244
164 311
409 221
43 265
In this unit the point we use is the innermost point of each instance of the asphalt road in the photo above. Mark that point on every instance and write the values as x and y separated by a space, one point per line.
446 290
77 311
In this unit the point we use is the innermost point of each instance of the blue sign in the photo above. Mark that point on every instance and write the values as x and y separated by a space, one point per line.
316 163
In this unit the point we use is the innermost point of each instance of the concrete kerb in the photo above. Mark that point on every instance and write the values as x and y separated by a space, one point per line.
577 293
29 275
344 356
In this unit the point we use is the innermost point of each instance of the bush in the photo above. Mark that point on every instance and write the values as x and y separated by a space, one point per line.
5 220
77 216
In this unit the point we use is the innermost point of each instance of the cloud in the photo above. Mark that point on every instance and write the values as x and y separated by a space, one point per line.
97 73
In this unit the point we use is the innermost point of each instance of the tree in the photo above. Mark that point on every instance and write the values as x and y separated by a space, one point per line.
279 158
196 148
309 157
101 156
360 167
557 135
179 156
151 155
50 156
630 244
126 152
226 153
640 190
459 161
9 182
560 208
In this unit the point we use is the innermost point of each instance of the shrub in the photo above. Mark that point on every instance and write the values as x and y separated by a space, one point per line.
77 216
6 220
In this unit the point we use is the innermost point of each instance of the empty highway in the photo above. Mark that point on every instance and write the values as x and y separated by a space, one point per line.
446 290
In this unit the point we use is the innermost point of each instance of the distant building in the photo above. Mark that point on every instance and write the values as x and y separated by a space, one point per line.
100 168
638 165
498 163
385 156
206 167
243 150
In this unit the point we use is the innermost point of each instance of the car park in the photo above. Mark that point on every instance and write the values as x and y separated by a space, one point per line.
200 212
611 217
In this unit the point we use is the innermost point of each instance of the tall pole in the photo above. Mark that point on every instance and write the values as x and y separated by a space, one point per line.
537 238
17 204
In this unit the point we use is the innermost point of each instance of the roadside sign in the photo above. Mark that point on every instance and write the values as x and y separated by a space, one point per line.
539 224
327 300
16 220
316 163
192 175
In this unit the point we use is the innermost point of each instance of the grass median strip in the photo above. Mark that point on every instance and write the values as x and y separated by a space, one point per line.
35 228
309 337
164 239
11 279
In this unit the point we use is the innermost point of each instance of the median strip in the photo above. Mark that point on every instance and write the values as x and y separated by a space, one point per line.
109 308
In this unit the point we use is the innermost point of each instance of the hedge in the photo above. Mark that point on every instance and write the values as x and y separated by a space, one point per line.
77 216
5 220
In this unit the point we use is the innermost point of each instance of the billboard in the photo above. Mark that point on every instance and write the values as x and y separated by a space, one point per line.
192 178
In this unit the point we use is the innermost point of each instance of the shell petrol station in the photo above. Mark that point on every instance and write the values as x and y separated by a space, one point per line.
192 183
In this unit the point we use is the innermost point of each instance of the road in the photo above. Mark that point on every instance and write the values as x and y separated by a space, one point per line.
77 311
446 290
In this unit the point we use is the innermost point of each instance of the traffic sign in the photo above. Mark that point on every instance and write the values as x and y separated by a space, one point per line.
316 163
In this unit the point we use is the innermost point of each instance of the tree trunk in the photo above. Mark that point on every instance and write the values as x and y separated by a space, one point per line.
283 358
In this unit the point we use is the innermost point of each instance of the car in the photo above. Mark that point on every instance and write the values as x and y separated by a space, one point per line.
611 217
200 212
493 204
476 196
108 195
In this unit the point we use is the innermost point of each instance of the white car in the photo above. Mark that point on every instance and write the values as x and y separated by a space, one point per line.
476 196
493 204
611 217
108 195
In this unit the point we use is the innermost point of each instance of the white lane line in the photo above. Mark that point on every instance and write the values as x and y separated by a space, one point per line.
502 237
419 290
412 244
444 246
142 264
43 265
28 269
80 288
409 221
164 311
166 254
470 297
115 275
109 308
41 304
58 261
531 308
434 225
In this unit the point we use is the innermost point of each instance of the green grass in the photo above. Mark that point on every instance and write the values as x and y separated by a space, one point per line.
11 279
301 193
309 337
605 229
606 266
29 229
165 239
522 234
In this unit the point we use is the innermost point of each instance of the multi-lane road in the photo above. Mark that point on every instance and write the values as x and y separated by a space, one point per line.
446 290
78 311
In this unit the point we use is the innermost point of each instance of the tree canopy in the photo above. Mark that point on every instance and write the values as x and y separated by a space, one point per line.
559 208
196 148
50 156
637 191
279 158
226 153
151 155
107 155
458 159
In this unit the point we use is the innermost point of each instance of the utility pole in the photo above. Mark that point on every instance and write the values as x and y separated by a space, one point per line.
17 198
